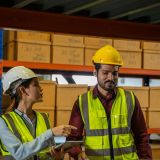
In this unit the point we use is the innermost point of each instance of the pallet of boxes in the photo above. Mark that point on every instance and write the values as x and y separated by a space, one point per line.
27 46
67 49
66 95
151 56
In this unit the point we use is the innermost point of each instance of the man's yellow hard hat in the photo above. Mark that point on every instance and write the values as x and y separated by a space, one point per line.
107 55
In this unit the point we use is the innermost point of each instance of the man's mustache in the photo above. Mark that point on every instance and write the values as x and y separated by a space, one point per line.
108 81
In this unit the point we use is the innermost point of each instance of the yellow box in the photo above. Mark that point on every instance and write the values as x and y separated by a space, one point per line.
88 54
153 117
27 36
96 42
150 45
49 92
154 97
67 40
28 52
127 44
145 114
131 59
62 117
151 59
142 93
51 114
67 55
67 94
155 151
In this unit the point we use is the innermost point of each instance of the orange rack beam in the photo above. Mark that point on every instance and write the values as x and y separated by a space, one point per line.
154 130
76 68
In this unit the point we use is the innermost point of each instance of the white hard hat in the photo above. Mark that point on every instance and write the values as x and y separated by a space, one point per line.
16 73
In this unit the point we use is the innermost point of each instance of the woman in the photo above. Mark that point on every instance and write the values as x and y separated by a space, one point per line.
25 133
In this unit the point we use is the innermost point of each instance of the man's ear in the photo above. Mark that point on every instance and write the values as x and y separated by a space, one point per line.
95 73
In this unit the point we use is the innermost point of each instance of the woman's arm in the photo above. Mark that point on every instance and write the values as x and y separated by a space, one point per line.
24 150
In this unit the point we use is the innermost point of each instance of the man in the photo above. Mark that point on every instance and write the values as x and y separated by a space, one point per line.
109 117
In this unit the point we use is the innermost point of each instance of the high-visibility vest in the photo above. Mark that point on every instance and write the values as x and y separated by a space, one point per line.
99 128
17 125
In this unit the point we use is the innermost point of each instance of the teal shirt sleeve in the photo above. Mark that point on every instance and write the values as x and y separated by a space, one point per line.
24 150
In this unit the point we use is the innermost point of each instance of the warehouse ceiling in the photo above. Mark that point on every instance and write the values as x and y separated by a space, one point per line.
142 11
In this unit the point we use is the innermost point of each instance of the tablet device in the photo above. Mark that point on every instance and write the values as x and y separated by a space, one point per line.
68 144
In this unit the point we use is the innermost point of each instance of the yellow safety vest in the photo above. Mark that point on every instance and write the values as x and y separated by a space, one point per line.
103 134
18 127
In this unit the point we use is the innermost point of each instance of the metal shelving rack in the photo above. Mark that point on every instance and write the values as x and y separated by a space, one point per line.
77 68
40 21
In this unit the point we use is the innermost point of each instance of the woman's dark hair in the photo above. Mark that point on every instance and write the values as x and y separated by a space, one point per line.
16 97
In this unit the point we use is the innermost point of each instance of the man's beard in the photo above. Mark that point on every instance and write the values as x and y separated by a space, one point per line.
110 87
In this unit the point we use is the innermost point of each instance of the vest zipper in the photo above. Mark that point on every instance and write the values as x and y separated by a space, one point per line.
110 136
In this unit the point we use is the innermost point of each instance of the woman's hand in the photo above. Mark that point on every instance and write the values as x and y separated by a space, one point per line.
57 154
63 130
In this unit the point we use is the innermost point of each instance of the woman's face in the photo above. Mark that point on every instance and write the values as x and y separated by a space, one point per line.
34 91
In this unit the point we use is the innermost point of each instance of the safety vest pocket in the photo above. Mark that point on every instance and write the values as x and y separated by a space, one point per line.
119 120
125 140
94 142
128 150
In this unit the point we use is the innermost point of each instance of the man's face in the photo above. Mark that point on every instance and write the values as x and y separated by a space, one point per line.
107 77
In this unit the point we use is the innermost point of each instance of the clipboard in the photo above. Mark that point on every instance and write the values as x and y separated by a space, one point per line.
68 144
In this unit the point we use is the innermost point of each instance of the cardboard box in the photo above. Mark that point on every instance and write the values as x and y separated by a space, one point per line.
127 44
145 114
27 36
88 54
51 114
96 42
142 93
67 95
67 40
154 97
67 55
49 92
62 117
153 117
151 59
28 52
131 59
155 151
151 45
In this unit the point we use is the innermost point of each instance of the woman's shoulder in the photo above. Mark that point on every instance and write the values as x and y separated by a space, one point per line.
2 122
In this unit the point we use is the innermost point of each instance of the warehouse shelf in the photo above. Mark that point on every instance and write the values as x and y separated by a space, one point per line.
76 68
154 130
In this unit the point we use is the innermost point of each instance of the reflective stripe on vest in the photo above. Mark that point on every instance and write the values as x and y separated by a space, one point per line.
18 127
96 127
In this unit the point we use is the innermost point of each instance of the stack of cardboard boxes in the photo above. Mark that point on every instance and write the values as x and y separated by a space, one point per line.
65 98
67 49
130 51
27 46
151 55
